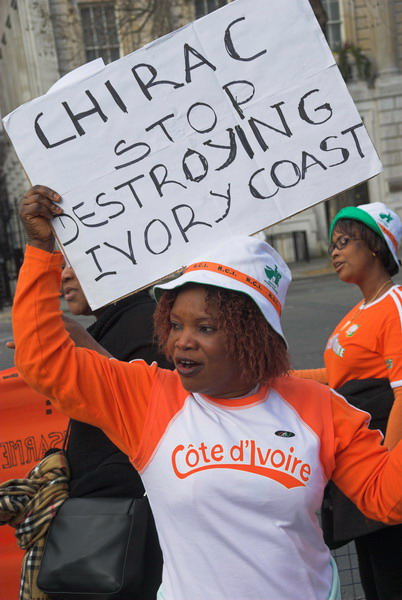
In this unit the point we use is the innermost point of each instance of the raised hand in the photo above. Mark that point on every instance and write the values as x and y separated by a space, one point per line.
36 210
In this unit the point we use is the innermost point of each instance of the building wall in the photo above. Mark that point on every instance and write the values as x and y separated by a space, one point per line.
46 41
398 27
375 27
28 60
41 41
28 67
379 34
64 20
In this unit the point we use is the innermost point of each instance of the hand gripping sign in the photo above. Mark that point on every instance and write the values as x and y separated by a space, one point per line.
229 125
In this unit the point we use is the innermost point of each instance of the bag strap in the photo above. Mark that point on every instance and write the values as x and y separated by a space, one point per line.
66 437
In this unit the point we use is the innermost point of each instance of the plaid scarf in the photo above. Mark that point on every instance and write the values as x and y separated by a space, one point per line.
29 505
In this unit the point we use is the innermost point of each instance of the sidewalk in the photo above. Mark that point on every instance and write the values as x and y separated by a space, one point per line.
300 270
312 268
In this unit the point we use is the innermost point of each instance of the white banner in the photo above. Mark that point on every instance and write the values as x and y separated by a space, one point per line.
224 127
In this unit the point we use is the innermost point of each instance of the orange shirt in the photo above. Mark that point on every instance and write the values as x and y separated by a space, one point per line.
229 469
116 396
368 342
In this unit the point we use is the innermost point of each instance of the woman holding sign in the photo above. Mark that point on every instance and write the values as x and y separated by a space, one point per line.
228 445
363 361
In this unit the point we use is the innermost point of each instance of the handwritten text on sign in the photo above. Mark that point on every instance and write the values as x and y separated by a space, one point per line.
224 127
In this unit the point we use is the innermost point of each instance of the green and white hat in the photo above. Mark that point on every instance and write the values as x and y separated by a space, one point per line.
244 264
381 219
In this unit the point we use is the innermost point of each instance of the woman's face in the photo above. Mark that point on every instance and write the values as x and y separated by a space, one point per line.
198 349
72 292
351 258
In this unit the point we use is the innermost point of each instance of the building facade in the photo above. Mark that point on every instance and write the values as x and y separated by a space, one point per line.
366 38
42 40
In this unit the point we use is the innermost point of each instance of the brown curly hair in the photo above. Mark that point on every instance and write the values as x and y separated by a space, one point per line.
250 341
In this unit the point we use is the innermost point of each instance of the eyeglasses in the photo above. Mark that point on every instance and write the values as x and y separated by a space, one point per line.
340 243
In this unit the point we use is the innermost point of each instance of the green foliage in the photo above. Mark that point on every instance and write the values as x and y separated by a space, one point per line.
349 56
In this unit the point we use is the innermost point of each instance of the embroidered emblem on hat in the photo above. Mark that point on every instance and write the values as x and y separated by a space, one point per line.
274 276
386 218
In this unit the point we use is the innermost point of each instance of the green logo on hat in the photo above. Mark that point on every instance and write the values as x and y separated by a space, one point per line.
273 275
386 218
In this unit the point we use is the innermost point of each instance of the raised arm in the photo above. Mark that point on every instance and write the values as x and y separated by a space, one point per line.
80 337
81 383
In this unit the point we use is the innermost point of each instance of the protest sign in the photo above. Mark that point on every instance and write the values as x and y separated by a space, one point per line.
225 127
29 427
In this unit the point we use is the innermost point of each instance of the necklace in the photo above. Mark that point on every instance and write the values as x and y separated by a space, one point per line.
366 302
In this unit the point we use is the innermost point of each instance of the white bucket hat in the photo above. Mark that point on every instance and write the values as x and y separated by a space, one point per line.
381 219
246 265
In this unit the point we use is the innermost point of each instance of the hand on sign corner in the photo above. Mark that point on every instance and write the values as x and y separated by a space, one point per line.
36 210
10 345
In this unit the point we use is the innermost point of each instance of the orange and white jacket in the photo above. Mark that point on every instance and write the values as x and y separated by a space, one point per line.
368 342
234 484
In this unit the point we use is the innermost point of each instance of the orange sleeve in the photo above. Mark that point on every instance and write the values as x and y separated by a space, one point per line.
390 347
393 434
369 474
81 383
319 375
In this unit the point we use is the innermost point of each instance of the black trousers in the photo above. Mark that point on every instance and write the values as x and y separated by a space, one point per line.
380 563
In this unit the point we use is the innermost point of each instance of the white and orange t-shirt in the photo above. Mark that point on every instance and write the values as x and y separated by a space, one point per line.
368 342
234 485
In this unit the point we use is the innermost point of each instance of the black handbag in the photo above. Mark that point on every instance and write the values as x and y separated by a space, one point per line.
94 549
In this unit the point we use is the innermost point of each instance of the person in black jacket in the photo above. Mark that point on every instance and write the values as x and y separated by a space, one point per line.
98 467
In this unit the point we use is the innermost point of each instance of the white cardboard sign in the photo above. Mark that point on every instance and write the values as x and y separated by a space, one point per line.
224 127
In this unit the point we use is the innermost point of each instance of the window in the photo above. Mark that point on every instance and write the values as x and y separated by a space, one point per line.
334 23
203 7
100 32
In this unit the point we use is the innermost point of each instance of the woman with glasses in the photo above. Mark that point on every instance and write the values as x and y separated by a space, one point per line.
363 361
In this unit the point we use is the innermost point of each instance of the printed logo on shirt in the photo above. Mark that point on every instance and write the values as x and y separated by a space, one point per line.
333 344
282 466
274 277
352 329
389 363
285 433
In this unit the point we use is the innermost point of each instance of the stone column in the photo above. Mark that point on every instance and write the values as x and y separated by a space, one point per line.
385 39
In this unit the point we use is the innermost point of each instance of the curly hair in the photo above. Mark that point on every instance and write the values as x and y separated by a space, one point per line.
250 341
373 241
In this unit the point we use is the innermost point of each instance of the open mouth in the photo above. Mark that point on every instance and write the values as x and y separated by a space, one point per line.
69 294
338 266
187 367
